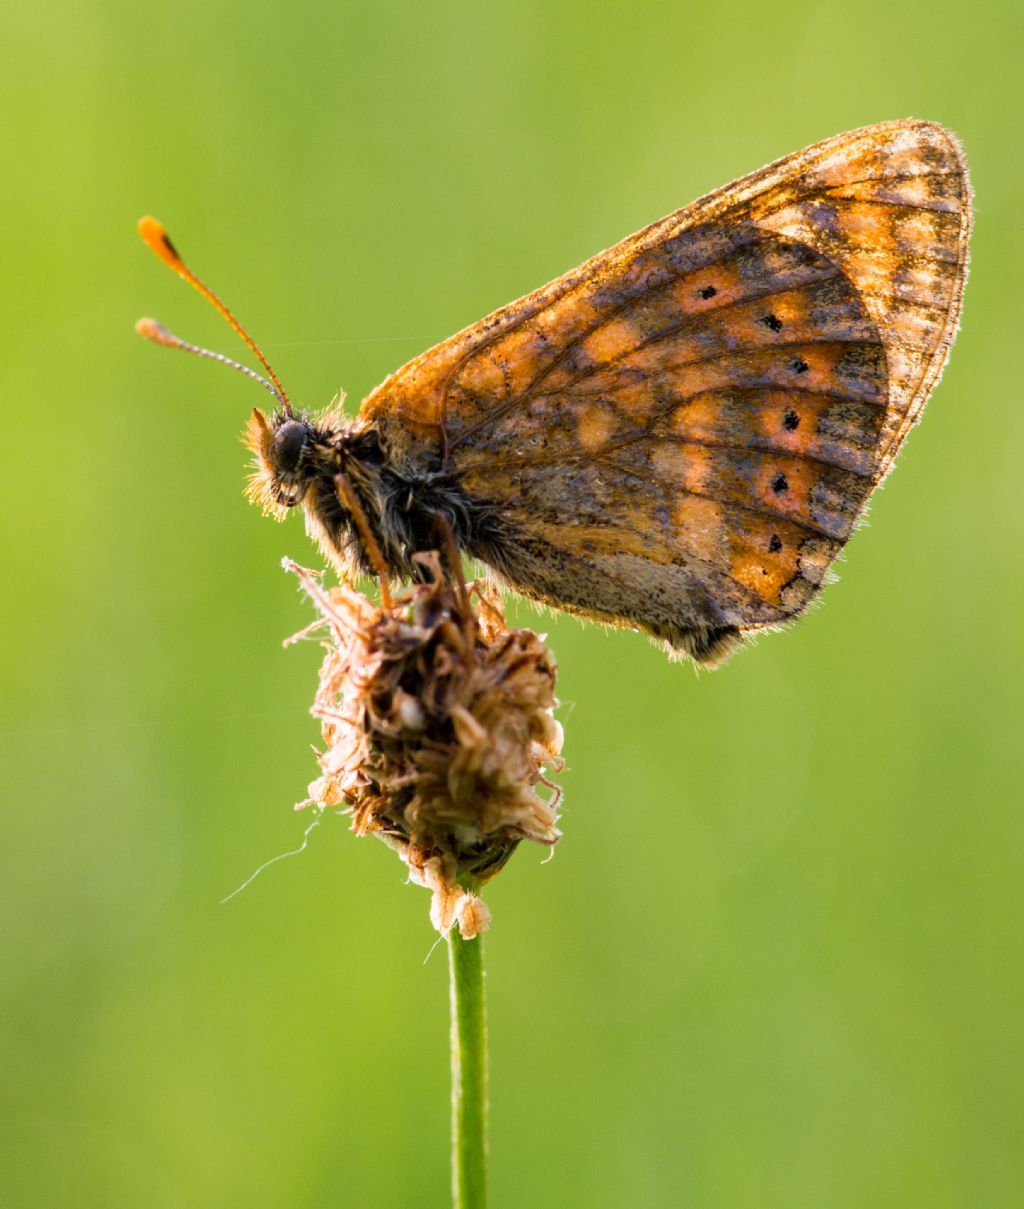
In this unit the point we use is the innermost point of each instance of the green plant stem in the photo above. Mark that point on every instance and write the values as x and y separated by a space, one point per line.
469 1072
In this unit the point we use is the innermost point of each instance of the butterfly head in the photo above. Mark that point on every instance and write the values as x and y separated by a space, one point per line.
294 453
335 470
282 445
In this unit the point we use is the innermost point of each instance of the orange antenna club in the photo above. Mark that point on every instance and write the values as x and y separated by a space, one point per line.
155 237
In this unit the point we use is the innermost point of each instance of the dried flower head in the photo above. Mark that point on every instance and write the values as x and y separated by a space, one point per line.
439 728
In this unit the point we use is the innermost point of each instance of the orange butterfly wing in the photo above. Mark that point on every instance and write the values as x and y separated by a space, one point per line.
681 433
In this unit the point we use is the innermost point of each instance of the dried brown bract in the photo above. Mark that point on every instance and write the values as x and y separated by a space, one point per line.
439 728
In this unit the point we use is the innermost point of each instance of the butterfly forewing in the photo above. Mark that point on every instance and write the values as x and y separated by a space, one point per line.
682 433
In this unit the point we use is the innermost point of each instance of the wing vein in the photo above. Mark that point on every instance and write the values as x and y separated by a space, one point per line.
753 509
530 390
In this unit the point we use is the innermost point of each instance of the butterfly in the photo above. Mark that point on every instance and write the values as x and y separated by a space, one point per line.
680 435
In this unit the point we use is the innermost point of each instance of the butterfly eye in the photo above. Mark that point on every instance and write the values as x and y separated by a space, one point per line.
289 442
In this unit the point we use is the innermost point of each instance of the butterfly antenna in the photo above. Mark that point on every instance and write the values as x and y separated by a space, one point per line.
160 335
157 240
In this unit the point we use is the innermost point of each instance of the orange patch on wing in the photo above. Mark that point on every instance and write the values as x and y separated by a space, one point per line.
723 279
594 425
481 375
757 564
872 272
785 485
686 467
821 361
868 226
778 407
521 355
747 325
567 320
635 401
695 379
611 340
698 419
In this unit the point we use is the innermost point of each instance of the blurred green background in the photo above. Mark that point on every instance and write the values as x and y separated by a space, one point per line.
776 961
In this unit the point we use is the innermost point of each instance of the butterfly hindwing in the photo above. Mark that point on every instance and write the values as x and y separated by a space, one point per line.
681 434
